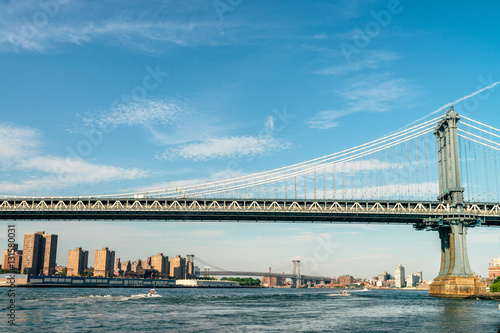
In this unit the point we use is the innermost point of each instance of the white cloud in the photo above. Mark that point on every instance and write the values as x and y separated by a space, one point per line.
372 60
16 142
76 170
142 113
227 147
38 171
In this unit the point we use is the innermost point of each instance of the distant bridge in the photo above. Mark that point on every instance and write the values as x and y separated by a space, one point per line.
297 278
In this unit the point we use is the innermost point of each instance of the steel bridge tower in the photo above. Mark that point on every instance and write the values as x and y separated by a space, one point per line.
296 271
455 278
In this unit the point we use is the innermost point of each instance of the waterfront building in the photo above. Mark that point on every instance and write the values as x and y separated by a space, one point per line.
104 262
178 267
346 280
160 263
78 261
39 253
12 258
412 280
494 269
400 276
197 271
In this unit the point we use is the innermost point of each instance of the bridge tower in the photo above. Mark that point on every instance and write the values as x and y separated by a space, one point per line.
455 278
296 272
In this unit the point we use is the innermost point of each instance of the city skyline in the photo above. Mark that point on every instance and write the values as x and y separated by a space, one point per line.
314 264
158 94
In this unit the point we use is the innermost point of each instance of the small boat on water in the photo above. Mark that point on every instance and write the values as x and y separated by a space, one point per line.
152 292
344 293
366 289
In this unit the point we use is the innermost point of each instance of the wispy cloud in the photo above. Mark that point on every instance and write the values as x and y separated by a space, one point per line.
376 93
70 22
379 93
371 60
326 119
226 147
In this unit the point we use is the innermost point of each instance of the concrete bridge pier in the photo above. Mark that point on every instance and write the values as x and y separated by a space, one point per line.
455 278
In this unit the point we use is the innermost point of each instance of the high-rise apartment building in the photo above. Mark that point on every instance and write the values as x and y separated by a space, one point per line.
147 264
39 253
78 261
160 263
12 257
134 266
413 280
104 262
400 276
178 267
125 266
190 267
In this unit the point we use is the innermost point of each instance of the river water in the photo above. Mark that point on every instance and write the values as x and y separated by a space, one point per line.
244 310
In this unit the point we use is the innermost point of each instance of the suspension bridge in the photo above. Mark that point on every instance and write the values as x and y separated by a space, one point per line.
273 279
442 174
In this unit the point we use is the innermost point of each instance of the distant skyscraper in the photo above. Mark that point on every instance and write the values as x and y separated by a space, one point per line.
494 269
12 258
118 265
190 267
160 263
178 267
104 262
420 276
39 253
400 276
78 261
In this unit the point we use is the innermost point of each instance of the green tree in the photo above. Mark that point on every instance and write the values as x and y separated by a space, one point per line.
495 287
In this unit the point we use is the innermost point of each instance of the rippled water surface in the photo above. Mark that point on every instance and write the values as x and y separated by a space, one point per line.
245 310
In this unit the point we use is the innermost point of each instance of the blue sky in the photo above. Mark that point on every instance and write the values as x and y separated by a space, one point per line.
112 96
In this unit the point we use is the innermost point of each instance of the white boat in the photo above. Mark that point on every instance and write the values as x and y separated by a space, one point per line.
152 293
366 289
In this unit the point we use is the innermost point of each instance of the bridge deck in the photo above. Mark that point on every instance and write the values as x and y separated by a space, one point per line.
284 210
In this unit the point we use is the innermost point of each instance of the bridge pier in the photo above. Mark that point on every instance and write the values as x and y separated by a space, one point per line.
455 278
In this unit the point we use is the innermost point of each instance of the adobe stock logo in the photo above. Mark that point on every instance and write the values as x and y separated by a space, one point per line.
223 6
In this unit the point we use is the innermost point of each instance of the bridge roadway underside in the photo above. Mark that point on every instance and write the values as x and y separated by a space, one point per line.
248 210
